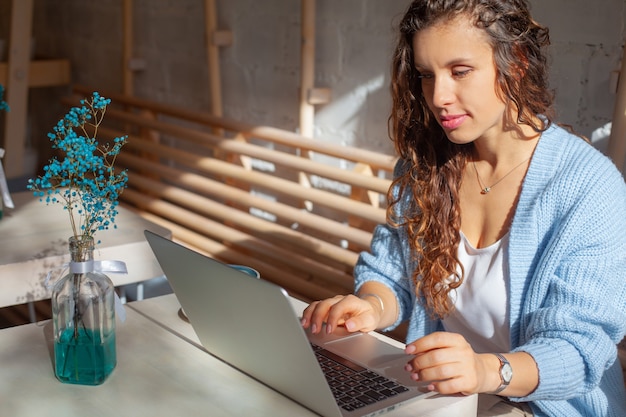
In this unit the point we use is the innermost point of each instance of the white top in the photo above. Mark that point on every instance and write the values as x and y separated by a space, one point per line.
481 302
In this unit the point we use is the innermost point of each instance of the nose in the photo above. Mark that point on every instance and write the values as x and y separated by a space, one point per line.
442 92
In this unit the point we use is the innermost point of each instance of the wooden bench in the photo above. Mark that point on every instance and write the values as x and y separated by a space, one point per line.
296 209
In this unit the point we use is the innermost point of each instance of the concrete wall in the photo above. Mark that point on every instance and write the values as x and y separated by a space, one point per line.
260 71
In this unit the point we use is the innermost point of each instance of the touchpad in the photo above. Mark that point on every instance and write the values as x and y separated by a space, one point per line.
366 350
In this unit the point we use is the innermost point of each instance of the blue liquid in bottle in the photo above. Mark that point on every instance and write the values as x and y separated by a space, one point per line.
85 357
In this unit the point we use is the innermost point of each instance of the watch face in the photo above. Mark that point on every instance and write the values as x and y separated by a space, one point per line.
506 372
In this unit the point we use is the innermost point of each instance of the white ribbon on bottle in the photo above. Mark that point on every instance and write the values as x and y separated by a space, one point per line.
4 187
115 267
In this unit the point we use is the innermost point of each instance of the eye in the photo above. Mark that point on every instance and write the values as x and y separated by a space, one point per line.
424 75
461 72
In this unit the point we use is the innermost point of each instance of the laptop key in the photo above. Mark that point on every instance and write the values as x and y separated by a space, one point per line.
366 399
353 385
340 360
388 392
378 396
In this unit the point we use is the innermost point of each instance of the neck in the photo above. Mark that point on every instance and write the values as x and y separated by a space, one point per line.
507 148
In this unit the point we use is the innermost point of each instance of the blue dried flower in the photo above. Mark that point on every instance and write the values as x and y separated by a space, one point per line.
85 180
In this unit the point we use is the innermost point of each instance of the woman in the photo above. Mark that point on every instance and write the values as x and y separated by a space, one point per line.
505 246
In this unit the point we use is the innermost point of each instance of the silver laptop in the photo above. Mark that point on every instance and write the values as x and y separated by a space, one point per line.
250 324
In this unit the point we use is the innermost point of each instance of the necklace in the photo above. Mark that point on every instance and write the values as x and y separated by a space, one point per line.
484 189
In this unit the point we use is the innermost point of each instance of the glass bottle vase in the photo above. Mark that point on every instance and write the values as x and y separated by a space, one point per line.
83 315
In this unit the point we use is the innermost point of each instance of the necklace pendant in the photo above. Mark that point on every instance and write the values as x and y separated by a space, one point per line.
485 190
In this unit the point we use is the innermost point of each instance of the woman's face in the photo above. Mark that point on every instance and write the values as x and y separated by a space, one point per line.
458 75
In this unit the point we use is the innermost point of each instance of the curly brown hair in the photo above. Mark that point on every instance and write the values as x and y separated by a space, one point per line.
435 163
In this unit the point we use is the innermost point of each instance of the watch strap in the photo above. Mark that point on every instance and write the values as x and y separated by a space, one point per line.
503 381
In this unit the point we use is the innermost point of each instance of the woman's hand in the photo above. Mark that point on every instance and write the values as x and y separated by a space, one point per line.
450 365
350 311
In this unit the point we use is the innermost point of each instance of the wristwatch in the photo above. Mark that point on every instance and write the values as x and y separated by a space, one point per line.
506 373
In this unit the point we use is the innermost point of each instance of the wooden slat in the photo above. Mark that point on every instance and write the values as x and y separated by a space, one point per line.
374 159
269 231
379 185
303 290
236 239
206 186
270 182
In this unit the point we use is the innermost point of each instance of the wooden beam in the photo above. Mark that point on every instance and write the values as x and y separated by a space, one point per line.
617 140
213 57
127 30
319 96
17 86
42 73
307 70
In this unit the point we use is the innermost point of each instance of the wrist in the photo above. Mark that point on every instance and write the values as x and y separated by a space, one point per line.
503 373
490 379
376 301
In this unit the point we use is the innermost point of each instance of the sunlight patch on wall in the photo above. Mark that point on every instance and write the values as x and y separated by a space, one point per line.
343 113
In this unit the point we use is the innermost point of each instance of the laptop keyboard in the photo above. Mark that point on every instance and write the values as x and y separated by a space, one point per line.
352 385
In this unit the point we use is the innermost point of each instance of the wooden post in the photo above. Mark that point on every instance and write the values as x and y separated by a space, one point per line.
17 86
617 140
128 46
213 57
307 110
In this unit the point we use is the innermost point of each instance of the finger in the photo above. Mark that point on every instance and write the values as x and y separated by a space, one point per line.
431 369
344 311
436 340
318 313
434 357
307 313
450 368
363 322
362 315
350 311
457 385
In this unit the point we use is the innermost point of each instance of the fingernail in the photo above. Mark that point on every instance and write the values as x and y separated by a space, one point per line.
409 349
350 326
303 322
408 367
314 328
329 328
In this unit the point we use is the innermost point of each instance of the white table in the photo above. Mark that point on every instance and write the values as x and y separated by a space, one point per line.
33 241
158 374
161 371
165 311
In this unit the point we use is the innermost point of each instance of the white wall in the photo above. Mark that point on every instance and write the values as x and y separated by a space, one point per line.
587 41
260 71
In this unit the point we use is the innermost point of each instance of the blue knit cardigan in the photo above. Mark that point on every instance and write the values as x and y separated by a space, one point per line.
567 266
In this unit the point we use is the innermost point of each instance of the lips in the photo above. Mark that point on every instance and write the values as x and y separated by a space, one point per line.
452 122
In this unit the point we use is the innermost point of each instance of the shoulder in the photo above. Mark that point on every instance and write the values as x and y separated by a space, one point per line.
570 183
566 163
402 167
563 149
